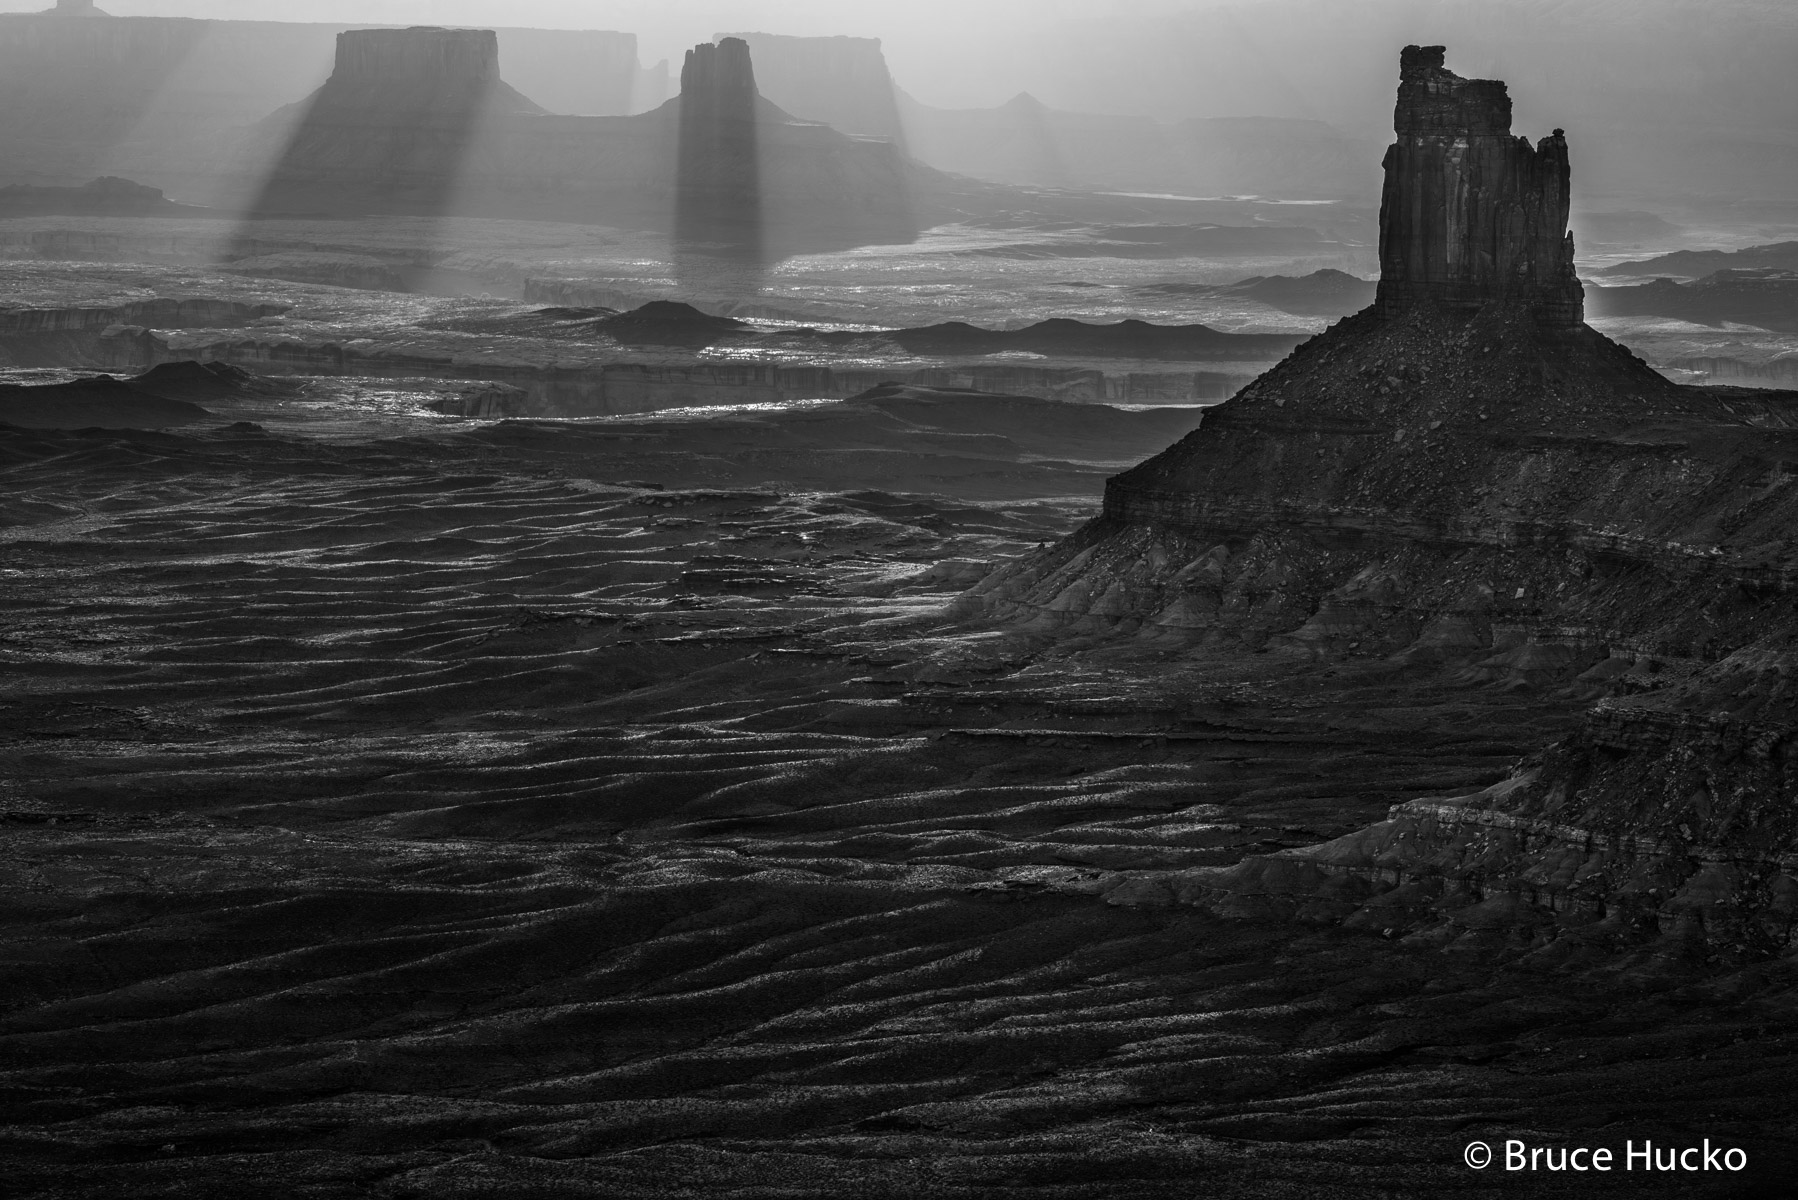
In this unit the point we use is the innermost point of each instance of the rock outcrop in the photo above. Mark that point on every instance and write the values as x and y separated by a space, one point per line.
1463 487
395 125
718 188
1471 214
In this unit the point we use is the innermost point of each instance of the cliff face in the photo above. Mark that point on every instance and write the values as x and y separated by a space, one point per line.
1463 489
1469 213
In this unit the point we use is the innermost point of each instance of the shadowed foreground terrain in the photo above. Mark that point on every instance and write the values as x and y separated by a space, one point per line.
454 814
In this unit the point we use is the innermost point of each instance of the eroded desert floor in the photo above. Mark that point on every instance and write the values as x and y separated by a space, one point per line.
615 808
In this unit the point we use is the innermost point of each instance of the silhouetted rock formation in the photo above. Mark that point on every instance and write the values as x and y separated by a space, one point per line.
1464 487
1469 213
76 8
842 81
718 189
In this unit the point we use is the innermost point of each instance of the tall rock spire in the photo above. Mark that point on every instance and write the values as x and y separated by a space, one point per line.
1471 214
718 187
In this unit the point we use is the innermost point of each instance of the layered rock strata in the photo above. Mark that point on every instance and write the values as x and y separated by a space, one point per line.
1462 488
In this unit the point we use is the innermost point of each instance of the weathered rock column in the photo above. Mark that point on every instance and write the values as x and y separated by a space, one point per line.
718 192
1471 214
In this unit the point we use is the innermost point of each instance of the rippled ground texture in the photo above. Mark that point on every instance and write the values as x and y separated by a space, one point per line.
452 814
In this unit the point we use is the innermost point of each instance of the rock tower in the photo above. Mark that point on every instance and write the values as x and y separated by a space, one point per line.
718 187
1471 214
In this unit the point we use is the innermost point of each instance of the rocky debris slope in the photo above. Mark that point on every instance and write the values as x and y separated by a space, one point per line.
1490 497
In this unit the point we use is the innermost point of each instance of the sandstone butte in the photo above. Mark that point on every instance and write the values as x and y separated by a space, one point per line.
1464 484
419 121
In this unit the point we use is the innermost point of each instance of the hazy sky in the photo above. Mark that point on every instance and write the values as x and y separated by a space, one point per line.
662 26
1716 64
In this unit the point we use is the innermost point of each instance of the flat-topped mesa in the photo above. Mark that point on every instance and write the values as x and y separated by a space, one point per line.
1471 214
405 116
423 51
427 72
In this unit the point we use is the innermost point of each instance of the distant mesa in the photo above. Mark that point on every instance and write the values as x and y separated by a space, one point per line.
846 83
843 81
1323 293
107 196
1694 264
419 121
395 125
1766 297
1123 339
75 8
1471 214
672 323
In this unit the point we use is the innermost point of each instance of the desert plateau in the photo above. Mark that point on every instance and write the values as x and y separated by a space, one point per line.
804 601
